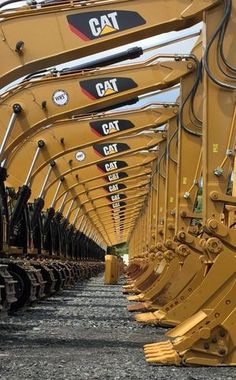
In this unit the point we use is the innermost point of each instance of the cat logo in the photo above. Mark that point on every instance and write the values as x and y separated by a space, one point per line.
111 127
111 166
93 25
118 205
108 166
115 176
116 197
107 87
100 88
106 23
115 187
108 127
109 149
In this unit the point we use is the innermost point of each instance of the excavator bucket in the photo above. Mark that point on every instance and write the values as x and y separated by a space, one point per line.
111 275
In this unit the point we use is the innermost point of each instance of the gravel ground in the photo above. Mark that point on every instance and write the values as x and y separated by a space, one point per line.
85 333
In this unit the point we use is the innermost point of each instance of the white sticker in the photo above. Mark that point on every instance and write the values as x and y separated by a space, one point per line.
60 97
80 156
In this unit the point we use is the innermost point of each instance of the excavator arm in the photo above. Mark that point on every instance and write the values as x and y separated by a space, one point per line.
73 30
133 144
73 136
37 103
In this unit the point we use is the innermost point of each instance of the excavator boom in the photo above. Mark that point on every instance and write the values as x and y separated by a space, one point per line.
72 30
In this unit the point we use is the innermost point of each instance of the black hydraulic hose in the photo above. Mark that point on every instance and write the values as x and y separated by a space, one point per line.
193 91
208 48
168 150
222 36
159 165
193 95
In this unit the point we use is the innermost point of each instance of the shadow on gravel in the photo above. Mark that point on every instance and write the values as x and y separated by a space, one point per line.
55 343
92 317
102 297
75 304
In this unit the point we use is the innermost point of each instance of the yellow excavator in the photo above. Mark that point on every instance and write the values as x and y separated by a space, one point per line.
205 312
169 229
24 233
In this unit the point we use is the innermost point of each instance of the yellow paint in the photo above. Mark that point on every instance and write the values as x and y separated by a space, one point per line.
107 29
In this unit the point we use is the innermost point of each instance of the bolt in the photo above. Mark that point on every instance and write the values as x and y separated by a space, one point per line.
222 351
213 225
17 108
186 195
222 333
41 143
218 172
44 104
168 244
182 235
229 152
206 346
19 47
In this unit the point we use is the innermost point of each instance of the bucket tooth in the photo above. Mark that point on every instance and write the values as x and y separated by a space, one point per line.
163 354
150 348
171 358
127 287
137 307
136 298
132 290
129 290
159 314
147 318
